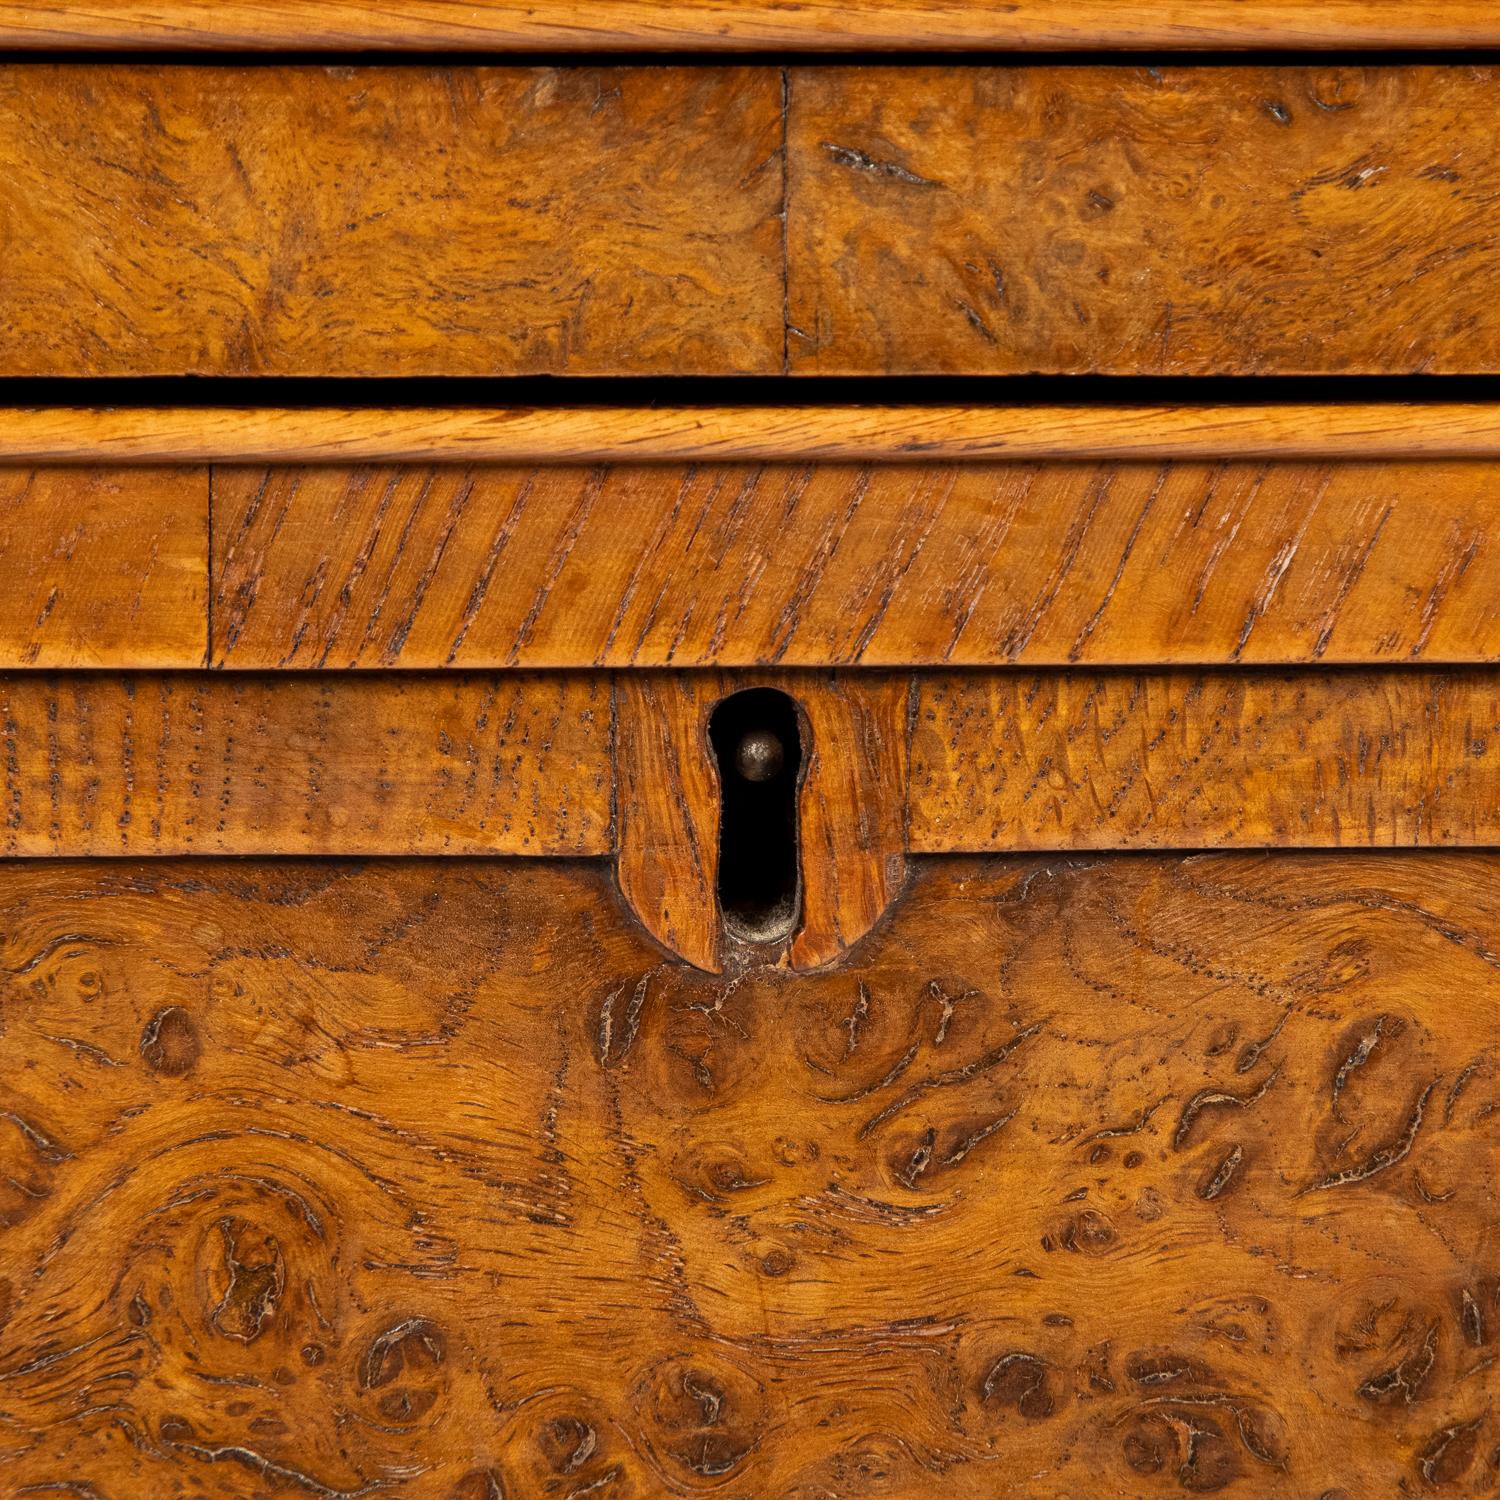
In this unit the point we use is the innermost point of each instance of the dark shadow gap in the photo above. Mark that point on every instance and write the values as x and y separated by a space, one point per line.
910 55
743 391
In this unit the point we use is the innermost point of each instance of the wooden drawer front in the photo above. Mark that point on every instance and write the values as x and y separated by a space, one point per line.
1144 220
1161 1174
456 220
382 221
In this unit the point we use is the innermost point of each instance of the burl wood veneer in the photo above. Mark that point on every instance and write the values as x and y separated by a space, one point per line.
382 221
1143 220
1115 218
1152 1174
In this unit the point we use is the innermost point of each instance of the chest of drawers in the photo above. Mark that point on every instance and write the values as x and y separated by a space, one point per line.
750 773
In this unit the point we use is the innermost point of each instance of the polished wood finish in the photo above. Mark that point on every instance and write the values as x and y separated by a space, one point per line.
747 434
975 564
103 567
1082 760
853 809
1249 220
749 219
667 807
520 763
745 25
1150 1174
375 221
102 764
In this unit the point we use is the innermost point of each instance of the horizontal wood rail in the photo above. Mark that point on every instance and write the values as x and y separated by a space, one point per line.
798 538
747 25
856 434
158 764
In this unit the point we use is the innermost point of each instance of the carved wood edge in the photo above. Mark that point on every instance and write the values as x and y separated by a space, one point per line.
744 25
749 434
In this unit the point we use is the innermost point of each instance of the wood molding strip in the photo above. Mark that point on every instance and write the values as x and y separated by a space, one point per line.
842 434
746 25
101 764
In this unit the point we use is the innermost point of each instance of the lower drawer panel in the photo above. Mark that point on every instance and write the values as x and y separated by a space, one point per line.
1154 1174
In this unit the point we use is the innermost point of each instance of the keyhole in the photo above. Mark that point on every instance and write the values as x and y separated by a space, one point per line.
758 747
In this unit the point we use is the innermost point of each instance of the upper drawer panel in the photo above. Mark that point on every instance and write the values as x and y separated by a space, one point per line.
1136 220
456 220
389 221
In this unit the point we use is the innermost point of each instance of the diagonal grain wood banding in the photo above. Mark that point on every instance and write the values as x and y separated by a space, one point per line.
829 564
389 220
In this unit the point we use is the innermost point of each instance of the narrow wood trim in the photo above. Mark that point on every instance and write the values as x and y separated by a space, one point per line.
873 434
330 764
747 25
170 763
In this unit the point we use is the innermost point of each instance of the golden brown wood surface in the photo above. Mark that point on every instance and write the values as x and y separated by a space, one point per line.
667 810
1146 1175
748 434
976 564
1101 760
480 220
521 763
745 25
1259 219
103 567
102 764
375 221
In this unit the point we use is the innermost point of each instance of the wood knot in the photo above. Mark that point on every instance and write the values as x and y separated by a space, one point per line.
402 1363
169 1044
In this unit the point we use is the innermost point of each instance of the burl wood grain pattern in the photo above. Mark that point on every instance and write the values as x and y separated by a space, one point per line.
103 567
105 764
744 25
382 221
1143 1175
963 564
1101 760
851 807
1143 220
